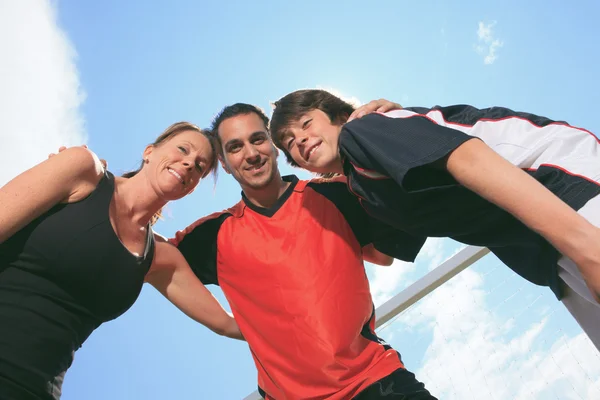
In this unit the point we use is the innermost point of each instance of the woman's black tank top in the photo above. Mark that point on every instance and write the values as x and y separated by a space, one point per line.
61 277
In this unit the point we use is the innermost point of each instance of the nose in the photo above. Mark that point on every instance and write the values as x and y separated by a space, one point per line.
251 153
301 140
188 162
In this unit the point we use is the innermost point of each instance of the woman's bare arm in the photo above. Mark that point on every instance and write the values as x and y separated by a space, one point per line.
172 276
67 177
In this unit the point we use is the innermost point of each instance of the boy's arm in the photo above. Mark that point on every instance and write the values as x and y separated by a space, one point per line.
419 154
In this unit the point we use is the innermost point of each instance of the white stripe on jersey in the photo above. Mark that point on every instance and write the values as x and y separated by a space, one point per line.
527 145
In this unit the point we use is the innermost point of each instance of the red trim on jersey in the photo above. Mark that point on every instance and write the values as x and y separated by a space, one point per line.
565 171
370 174
496 120
179 235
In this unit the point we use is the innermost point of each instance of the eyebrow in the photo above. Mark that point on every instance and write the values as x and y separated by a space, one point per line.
232 142
285 134
195 148
190 143
258 133
252 136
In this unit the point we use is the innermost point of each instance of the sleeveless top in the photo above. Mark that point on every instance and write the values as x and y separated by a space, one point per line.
61 276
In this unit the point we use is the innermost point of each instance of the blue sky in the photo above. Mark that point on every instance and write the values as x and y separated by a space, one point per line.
114 74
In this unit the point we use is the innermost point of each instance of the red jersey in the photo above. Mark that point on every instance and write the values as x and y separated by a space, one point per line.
294 277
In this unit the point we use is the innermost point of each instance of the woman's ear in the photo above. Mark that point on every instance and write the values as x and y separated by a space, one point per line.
147 152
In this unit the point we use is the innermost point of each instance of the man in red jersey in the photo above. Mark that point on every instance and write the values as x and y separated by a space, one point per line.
289 259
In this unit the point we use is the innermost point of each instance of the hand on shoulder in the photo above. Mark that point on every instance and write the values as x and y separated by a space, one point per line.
81 169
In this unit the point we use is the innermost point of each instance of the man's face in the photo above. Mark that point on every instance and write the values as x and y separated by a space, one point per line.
312 141
248 152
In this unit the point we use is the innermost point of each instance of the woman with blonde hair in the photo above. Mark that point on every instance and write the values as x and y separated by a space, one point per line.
76 246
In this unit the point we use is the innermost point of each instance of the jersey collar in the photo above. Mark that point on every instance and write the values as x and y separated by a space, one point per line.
269 212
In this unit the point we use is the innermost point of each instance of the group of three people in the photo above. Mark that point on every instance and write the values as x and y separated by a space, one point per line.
76 242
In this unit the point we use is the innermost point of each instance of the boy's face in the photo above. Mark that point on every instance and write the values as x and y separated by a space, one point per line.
312 141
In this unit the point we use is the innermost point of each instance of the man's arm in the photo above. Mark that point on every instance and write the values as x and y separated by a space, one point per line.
172 276
378 106
372 255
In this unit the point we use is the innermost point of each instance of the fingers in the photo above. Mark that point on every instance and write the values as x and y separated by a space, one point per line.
364 110
103 161
381 105
388 106
354 115
63 148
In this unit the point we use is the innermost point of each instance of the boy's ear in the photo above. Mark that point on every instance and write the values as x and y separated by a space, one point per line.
342 119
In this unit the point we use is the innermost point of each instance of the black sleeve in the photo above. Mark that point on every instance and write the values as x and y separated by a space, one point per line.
368 230
464 114
198 244
394 242
408 150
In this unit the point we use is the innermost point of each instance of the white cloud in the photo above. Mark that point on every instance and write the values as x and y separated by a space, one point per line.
432 252
353 100
474 353
41 92
387 281
487 45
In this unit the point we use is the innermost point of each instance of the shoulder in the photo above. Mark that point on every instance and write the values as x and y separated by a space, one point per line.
334 187
198 245
158 238
89 171
335 178
80 168
85 162
162 247
204 227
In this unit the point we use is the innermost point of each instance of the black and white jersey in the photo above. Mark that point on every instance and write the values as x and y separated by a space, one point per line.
393 164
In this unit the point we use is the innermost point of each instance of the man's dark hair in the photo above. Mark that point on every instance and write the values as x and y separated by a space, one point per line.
233 111
291 107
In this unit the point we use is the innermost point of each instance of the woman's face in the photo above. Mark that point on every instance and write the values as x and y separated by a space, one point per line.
177 165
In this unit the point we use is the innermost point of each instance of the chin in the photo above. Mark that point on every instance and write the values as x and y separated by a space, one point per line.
313 168
174 196
175 193
261 182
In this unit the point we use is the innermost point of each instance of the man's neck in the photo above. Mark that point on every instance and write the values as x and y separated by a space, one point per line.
267 196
